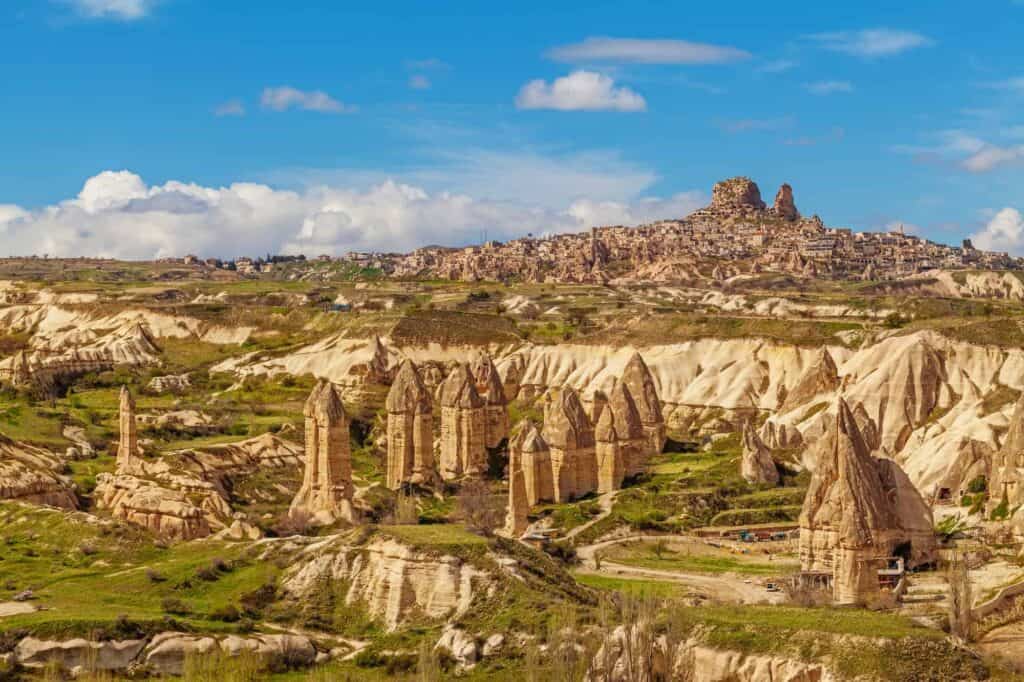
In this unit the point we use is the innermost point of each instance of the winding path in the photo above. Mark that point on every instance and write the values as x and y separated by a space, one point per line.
725 588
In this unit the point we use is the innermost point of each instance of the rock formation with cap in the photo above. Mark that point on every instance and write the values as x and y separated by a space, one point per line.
491 389
570 436
463 426
638 379
326 492
533 456
410 410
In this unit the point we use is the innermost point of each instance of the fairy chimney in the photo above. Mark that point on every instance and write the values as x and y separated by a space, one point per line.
410 429
756 464
463 426
530 453
512 375
491 389
326 491
570 436
516 520
638 379
128 444
610 467
859 511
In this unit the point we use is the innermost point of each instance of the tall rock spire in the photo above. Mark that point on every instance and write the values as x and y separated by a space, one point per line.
853 515
410 429
326 491
128 443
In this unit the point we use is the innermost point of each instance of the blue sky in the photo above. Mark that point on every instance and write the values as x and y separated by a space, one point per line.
341 125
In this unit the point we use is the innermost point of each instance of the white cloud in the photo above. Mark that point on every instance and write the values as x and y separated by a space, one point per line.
579 91
778 66
871 43
589 212
232 107
1004 232
285 97
125 10
968 152
419 82
828 87
991 157
639 51
117 214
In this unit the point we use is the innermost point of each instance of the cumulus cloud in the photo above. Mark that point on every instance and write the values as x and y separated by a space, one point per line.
286 97
588 212
640 51
233 107
871 43
1004 232
828 87
125 10
117 214
579 91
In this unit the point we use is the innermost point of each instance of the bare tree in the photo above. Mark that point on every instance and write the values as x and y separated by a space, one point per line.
961 619
478 508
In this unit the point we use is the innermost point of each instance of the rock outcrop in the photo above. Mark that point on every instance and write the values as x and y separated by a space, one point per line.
784 206
463 426
756 465
853 516
326 492
638 379
821 378
185 494
490 387
34 475
392 581
736 193
570 437
410 430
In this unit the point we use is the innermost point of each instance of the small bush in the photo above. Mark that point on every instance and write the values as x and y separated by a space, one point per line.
155 576
227 614
175 607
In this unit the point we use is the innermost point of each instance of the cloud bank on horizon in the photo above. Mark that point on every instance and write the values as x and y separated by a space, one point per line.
116 214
